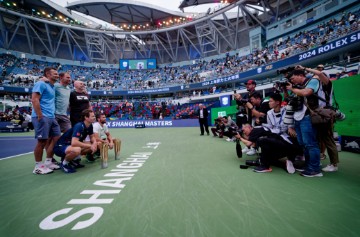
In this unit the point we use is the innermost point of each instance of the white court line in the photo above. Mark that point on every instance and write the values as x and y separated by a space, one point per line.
9 157
16 139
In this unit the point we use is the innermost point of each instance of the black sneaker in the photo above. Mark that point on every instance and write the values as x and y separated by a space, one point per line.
76 164
96 154
55 162
262 169
90 158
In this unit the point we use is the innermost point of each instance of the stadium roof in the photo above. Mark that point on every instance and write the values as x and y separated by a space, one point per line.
188 3
123 11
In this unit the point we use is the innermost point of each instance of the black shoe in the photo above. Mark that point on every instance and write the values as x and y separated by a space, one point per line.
208 134
55 161
201 134
76 164
90 158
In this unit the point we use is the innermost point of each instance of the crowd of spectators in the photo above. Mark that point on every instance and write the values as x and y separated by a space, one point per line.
24 71
138 110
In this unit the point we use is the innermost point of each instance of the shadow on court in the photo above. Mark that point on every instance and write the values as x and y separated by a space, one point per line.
12 146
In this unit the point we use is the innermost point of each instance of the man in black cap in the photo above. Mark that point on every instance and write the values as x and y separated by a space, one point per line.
244 116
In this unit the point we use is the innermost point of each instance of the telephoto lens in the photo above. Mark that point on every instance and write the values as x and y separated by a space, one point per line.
289 115
252 162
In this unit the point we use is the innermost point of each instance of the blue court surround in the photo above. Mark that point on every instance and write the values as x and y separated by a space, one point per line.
11 146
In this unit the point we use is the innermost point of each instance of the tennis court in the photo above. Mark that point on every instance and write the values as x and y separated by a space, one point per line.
173 182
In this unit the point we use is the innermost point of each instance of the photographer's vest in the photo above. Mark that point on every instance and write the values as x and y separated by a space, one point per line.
312 100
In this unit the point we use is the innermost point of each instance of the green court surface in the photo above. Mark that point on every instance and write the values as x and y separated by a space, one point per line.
187 185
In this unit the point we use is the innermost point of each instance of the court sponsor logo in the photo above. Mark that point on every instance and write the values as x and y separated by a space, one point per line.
73 216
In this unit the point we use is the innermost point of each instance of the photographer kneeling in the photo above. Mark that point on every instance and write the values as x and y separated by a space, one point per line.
273 146
306 88
219 127
258 108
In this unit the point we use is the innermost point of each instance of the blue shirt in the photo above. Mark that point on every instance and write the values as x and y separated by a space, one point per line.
79 130
313 84
47 99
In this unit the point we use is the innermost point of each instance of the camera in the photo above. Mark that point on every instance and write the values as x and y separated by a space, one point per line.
279 86
285 70
295 103
252 162
262 120
218 120
282 84
244 101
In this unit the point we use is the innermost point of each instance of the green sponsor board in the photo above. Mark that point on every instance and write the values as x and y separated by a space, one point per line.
222 111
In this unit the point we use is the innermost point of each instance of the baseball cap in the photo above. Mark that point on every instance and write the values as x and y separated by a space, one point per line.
320 66
249 82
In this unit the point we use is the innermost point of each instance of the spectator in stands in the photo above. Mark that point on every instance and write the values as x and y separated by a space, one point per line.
72 143
19 118
62 97
45 124
203 119
343 74
27 118
79 101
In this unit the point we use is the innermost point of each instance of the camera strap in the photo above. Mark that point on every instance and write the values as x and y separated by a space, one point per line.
322 99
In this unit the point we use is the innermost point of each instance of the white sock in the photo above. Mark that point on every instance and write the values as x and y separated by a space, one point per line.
65 162
48 160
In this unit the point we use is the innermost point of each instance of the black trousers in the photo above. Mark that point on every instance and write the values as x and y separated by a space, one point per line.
203 124
274 148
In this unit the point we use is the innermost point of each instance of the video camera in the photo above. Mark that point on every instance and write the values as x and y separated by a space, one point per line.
218 120
280 86
244 101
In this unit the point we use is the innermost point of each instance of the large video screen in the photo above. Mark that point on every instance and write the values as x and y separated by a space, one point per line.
137 64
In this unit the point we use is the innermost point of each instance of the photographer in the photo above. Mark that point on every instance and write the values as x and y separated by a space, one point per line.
244 115
325 131
275 122
230 128
258 107
273 147
303 87
219 127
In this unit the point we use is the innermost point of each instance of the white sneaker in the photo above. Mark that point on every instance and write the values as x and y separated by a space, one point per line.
246 149
42 169
330 168
228 139
52 166
251 152
290 167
